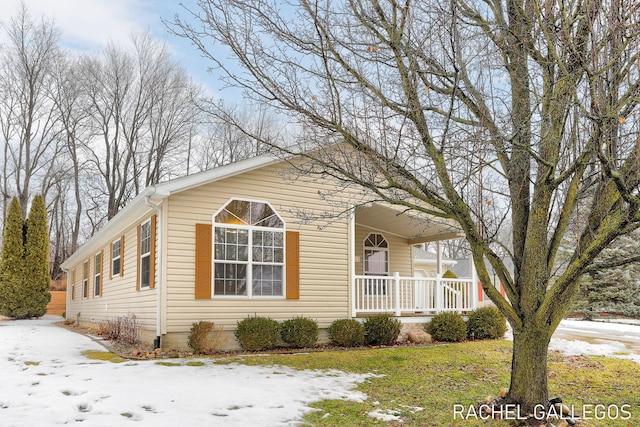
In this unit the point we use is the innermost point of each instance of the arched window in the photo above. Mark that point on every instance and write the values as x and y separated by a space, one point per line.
248 240
376 255
376 263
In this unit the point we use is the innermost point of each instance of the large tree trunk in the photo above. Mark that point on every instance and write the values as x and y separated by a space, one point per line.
529 367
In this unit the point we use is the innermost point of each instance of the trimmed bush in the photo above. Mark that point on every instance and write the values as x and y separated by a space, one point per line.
258 333
381 330
486 322
346 332
448 327
299 332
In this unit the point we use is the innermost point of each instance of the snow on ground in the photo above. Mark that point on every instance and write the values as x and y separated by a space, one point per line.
45 381
604 342
609 339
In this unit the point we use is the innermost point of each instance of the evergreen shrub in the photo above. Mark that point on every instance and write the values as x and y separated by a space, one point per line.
13 295
381 330
24 262
299 332
36 259
346 332
448 327
486 322
258 333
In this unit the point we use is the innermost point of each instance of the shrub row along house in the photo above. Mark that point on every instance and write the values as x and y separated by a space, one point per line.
254 238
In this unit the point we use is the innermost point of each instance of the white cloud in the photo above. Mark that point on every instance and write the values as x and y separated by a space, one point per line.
90 24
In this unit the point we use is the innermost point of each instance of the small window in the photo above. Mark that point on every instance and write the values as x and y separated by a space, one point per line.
73 284
145 254
97 282
115 257
85 279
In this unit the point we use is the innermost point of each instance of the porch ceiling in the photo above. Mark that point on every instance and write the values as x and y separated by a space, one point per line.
416 228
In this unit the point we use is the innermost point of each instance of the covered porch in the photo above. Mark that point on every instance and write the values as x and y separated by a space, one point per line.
384 276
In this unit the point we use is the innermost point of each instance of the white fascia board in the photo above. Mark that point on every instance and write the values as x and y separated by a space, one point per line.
138 208
221 172
130 214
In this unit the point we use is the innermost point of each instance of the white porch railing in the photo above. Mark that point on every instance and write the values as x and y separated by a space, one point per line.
398 295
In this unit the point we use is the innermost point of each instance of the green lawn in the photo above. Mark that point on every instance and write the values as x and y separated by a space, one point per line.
422 385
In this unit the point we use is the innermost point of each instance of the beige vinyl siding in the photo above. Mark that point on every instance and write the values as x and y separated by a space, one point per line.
400 254
119 295
324 288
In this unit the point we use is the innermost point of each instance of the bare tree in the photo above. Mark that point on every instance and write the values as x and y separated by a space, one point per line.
461 104
67 98
173 116
28 119
230 131
116 111
140 105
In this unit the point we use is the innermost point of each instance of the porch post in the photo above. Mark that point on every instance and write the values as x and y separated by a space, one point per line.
474 285
439 297
351 242
439 300
396 294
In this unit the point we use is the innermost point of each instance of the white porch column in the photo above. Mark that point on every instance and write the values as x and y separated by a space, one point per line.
438 258
439 294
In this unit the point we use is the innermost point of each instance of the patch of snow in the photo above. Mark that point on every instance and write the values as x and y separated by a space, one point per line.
576 347
630 326
47 381
387 415
609 347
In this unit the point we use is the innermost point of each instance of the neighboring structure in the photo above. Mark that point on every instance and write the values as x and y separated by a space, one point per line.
464 268
240 240
425 263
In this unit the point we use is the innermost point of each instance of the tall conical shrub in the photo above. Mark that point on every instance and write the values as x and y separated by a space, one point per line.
36 265
12 295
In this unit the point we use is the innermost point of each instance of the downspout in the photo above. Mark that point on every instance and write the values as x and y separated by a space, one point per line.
158 275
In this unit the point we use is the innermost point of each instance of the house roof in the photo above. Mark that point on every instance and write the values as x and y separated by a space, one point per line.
146 202
395 219
398 221
420 256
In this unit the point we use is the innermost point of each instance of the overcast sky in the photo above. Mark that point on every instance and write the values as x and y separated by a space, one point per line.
88 25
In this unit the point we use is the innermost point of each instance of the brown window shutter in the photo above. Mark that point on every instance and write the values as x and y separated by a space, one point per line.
293 265
152 255
110 260
203 261
138 260
122 256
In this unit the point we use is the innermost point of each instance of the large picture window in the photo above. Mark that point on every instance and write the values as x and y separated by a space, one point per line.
248 243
